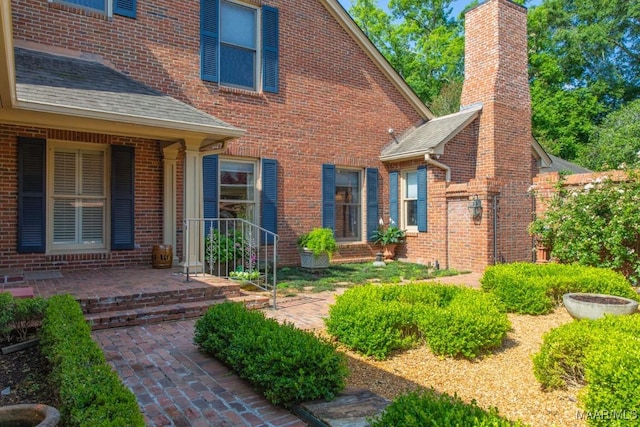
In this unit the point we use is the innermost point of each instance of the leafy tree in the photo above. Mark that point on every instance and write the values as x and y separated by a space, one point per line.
616 142
422 42
584 63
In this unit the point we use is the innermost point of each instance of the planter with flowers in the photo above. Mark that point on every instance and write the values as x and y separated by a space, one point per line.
316 248
389 237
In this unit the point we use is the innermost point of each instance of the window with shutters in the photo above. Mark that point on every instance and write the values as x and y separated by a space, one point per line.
77 197
348 205
239 45
410 200
107 7
237 190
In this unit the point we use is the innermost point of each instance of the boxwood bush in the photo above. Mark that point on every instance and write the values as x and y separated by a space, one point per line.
286 364
89 391
376 320
427 408
527 288
19 315
602 354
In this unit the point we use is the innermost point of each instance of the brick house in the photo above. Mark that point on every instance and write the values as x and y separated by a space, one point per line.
121 118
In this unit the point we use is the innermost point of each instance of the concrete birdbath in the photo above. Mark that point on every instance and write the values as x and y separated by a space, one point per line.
595 306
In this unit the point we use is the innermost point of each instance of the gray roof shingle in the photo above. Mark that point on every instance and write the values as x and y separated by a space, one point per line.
430 136
75 83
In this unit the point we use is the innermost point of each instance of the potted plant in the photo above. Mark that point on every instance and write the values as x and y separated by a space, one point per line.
317 247
389 237
543 235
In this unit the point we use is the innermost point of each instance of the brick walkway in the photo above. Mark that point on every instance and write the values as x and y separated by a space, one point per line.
176 384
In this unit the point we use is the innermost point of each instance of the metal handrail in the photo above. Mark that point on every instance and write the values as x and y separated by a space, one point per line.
221 246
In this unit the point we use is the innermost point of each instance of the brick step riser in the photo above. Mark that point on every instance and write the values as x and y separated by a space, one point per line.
164 313
155 299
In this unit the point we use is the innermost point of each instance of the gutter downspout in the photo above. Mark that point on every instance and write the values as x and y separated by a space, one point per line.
447 169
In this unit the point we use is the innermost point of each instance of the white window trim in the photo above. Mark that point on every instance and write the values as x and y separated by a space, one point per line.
258 68
52 145
404 199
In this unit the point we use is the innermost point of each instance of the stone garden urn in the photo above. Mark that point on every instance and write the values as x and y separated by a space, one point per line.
595 306
29 415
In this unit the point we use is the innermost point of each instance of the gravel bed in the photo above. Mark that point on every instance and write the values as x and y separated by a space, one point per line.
503 379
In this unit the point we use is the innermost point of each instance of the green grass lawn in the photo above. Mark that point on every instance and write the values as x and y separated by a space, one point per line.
346 275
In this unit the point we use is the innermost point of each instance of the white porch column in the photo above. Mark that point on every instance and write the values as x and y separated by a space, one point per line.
169 229
192 193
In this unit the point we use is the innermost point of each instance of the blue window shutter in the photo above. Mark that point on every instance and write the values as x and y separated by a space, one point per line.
209 35
122 197
329 196
270 49
125 8
422 198
393 197
372 202
31 195
210 186
270 196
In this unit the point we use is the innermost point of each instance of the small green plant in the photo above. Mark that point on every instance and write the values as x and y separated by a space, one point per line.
244 275
18 315
286 364
390 234
427 408
221 247
318 241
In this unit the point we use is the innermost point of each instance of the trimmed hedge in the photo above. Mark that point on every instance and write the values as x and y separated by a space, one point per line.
286 364
527 288
90 392
427 408
376 320
602 354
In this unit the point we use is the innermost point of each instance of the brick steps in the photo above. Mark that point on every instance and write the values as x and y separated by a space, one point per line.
156 307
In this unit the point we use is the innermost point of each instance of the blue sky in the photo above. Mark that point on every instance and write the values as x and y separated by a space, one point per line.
457 5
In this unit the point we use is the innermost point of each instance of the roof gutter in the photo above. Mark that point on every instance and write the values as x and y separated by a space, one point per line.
432 162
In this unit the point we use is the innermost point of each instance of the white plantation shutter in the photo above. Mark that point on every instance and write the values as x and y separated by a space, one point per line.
79 199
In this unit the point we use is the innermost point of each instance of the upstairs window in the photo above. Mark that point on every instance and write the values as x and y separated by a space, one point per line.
108 7
239 45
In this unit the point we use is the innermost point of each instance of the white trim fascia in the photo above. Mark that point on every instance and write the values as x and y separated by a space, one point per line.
7 66
348 24
539 153
230 132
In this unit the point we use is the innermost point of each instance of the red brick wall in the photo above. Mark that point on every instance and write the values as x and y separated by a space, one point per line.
148 202
333 106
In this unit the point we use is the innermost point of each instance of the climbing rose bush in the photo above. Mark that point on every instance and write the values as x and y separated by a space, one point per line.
596 225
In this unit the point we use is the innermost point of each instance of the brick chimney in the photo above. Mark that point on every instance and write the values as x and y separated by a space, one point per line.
496 75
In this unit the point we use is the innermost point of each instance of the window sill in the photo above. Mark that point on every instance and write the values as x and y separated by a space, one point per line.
237 91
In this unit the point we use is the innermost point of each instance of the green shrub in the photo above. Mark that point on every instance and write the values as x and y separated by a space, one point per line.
89 391
612 372
538 288
286 364
565 351
19 314
6 315
426 408
596 225
471 323
376 320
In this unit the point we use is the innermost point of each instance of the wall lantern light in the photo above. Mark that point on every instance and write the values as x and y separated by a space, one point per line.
475 207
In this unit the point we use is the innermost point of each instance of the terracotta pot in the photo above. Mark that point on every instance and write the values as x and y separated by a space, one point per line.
543 254
389 251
